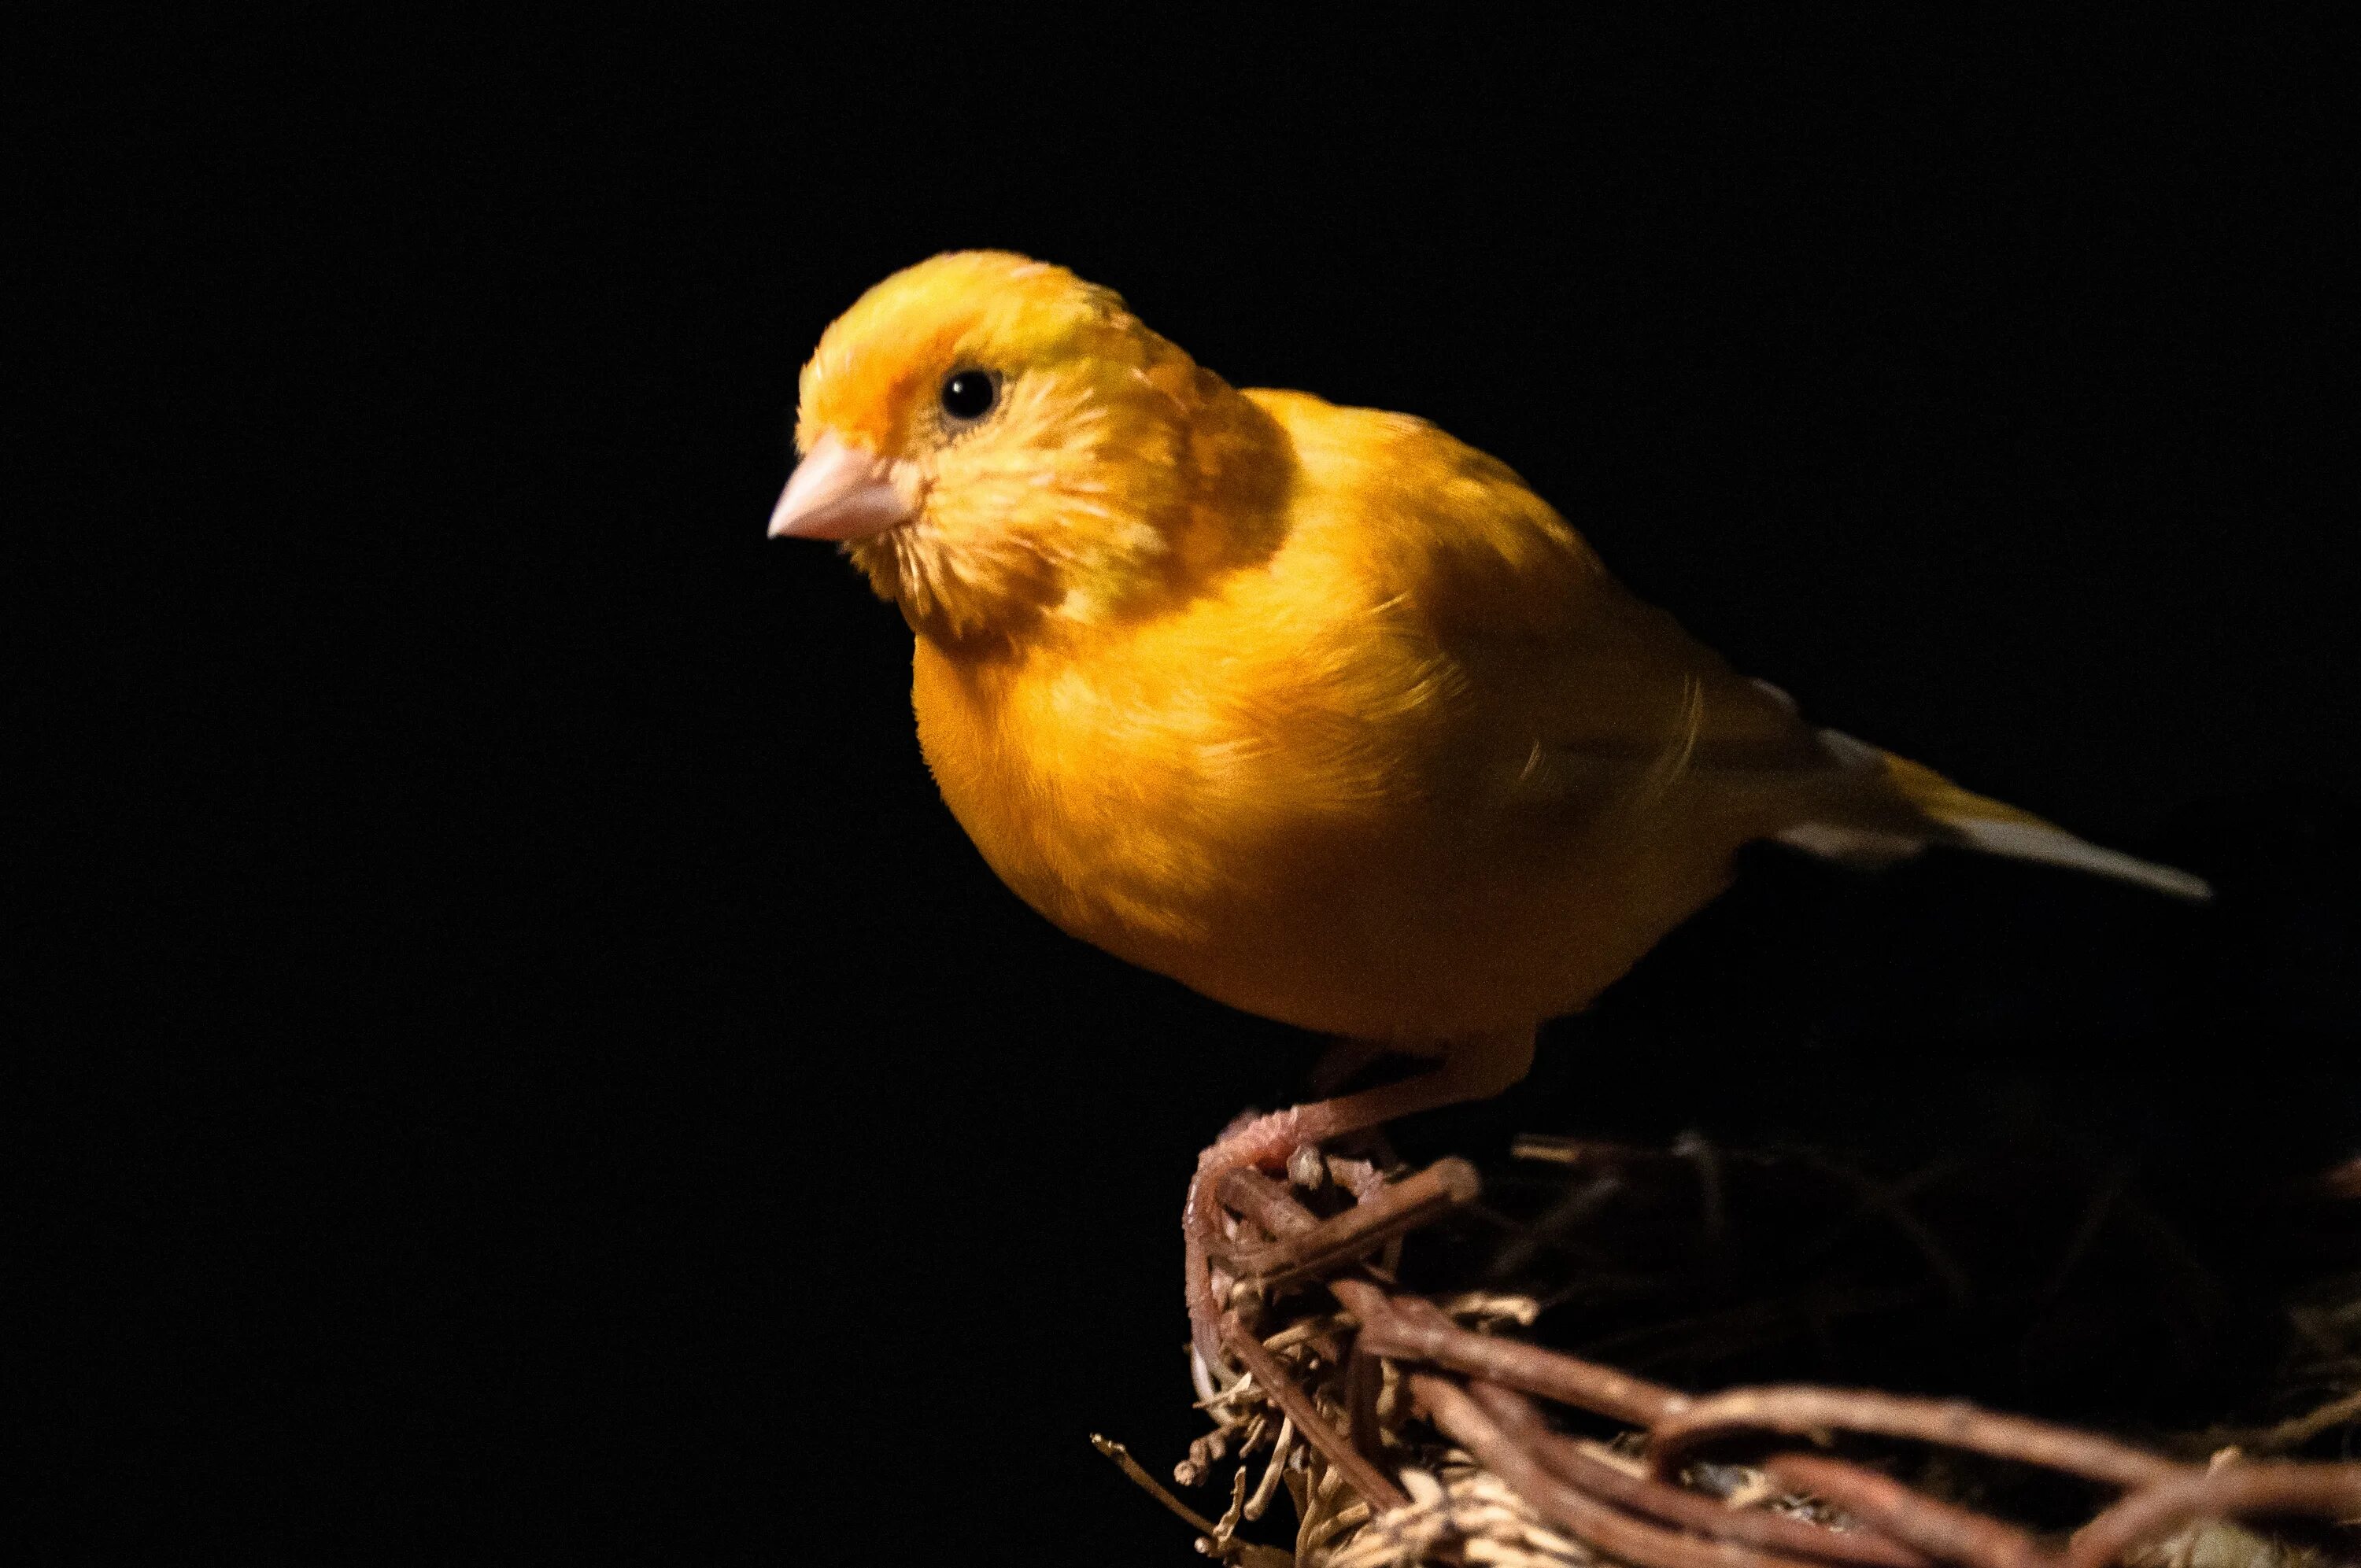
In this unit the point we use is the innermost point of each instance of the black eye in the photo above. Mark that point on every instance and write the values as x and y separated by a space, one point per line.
969 394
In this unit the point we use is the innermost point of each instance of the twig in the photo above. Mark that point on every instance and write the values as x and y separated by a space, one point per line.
1364 1377
1953 1534
1931 1524
1216 1541
2301 1430
1266 1203
2328 1491
1527 1367
1706 1516
1150 1484
1611 1531
1552 1149
1387 1212
1293 1402
1802 1411
1567 1460
1280 1448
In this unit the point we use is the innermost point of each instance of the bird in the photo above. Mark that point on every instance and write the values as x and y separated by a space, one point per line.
1316 710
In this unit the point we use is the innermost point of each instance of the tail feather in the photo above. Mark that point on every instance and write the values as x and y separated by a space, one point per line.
1939 812
2055 846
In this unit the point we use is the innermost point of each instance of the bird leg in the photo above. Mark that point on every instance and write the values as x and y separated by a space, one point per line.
1470 1069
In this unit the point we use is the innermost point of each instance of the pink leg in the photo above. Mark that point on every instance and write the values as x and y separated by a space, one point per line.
1470 1069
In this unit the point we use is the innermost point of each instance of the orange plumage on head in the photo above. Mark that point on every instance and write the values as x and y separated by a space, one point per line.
1073 497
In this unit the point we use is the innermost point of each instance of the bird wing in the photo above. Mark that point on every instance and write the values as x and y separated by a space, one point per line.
1592 693
1573 694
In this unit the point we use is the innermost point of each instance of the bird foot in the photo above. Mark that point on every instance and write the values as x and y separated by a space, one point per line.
1250 1143
1472 1070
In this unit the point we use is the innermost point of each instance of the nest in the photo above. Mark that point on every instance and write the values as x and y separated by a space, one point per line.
1407 1412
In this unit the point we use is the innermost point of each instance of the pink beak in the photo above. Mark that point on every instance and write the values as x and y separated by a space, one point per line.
841 492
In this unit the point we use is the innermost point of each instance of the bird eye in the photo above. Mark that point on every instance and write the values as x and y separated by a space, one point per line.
969 395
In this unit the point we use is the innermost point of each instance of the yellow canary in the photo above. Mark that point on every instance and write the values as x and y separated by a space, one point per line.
1315 709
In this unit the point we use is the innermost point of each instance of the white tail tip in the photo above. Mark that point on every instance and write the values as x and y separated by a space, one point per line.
2033 841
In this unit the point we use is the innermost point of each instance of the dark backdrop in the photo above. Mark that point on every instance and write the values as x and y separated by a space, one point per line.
523 1055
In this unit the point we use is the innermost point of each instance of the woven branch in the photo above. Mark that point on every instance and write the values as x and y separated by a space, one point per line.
1396 1386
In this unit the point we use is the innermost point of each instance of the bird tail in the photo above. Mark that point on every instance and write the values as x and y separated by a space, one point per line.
1934 810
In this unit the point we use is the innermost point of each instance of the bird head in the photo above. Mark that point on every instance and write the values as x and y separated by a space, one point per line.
996 441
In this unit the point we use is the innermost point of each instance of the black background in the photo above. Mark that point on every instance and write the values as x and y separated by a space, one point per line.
524 1059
